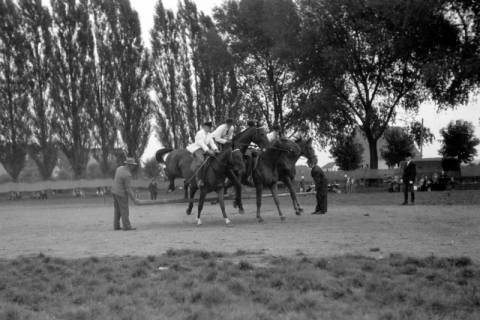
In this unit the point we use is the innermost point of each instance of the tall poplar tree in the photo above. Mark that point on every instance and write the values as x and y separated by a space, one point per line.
37 23
14 131
72 80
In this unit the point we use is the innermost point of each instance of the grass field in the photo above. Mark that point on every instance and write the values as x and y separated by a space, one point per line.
205 285
368 258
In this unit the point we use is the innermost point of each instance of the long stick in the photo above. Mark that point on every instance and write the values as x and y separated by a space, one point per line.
172 201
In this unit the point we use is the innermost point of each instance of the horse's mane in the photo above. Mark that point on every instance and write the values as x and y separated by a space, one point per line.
287 144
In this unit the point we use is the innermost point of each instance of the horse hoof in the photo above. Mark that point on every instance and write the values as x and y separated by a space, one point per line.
298 213
259 219
300 210
199 222
282 218
228 222
189 212
241 211
169 190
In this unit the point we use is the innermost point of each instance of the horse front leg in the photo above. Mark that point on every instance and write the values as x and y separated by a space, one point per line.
193 189
296 206
232 178
274 191
186 186
221 201
171 185
258 191
201 201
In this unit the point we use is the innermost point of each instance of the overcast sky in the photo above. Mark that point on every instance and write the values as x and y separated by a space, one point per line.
433 120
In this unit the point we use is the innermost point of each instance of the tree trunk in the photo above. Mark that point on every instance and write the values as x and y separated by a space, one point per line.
372 147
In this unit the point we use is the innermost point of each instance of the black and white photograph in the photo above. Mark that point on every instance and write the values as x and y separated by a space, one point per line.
239 159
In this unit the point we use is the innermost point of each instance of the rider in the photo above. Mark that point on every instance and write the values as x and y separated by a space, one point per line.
203 144
223 135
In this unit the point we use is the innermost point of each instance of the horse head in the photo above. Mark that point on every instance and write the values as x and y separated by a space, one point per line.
249 135
307 150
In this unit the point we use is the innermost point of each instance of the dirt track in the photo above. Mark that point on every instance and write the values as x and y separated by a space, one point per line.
82 228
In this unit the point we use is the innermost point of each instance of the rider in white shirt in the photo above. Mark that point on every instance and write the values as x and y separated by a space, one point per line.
203 144
223 135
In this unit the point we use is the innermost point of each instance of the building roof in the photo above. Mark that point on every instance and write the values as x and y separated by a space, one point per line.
329 165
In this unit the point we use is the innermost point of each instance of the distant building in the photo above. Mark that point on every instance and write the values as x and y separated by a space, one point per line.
330 167
359 137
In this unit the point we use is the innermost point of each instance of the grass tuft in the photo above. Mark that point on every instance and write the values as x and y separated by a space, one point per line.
208 285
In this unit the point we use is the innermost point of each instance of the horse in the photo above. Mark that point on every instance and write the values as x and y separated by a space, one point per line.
286 165
178 162
215 172
265 174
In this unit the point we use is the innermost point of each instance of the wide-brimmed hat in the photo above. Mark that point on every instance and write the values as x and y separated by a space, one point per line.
208 123
130 161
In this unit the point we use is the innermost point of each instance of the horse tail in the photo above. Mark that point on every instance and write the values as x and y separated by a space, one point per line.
162 152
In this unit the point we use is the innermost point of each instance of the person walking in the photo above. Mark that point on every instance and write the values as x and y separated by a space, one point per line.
408 177
223 135
153 188
302 184
321 189
121 191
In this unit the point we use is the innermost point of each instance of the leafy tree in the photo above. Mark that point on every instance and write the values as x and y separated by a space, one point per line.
105 93
324 112
218 90
399 146
375 56
263 34
459 141
167 79
194 74
420 134
347 153
37 24
132 64
71 82
465 77
151 168
14 131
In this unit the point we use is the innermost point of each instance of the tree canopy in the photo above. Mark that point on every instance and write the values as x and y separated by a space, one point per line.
374 57
459 141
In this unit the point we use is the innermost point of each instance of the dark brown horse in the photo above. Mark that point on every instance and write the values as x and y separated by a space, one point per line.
265 174
287 162
215 172
178 162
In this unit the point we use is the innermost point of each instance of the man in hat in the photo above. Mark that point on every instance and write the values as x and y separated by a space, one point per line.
203 144
408 177
121 191
321 189
223 135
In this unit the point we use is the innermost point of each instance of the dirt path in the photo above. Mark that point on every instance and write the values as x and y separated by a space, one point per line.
79 230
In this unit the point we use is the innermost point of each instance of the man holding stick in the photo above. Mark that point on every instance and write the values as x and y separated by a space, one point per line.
121 191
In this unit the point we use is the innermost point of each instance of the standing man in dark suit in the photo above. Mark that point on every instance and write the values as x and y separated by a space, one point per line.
409 175
321 188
